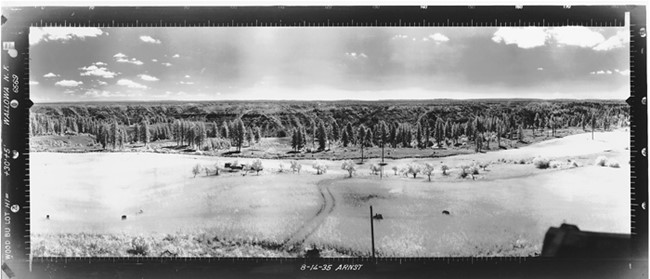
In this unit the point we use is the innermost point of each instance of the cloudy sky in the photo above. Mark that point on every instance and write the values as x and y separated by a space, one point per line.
110 64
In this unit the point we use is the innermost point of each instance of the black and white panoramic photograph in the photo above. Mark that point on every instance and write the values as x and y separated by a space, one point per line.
325 141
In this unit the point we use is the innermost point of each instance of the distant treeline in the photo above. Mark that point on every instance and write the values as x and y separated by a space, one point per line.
406 124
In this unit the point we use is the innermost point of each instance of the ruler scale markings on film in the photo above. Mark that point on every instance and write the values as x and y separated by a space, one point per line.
26 177
633 127
364 22
637 117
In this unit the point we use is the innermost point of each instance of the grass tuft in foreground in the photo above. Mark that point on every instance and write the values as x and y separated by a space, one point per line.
162 245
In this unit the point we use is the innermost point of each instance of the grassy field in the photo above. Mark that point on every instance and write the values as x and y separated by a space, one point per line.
501 211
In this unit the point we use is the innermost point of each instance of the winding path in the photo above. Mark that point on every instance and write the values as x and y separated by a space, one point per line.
328 202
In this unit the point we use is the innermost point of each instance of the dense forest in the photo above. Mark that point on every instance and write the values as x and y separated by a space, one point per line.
415 124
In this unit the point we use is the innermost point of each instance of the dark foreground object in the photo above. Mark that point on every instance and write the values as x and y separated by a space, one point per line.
312 253
568 241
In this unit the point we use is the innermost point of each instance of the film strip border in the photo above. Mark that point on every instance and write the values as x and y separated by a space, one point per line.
639 133
448 267
15 144
15 94
324 16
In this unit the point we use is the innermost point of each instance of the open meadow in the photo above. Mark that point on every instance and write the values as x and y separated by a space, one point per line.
502 208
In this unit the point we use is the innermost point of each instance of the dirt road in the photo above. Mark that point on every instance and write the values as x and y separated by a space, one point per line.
328 202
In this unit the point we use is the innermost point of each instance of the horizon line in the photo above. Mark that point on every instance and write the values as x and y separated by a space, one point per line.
338 100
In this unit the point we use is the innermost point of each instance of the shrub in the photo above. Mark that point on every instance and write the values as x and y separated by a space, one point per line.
320 167
404 172
217 168
196 170
281 169
614 164
139 246
484 165
601 161
464 171
207 170
575 164
349 166
522 161
555 164
375 169
295 166
245 169
444 169
413 169
541 163
395 169
428 170
257 166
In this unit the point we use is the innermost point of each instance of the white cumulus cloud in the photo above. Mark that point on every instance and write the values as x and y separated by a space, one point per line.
576 36
167 64
149 39
50 75
176 55
93 70
68 83
131 84
523 37
148 77
617 41
97 93
601 72
439 37
130 61
355 55
119 55
39 34
623 72
580 36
